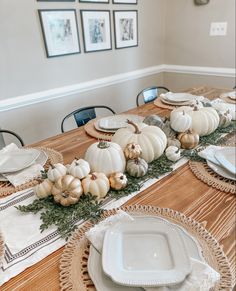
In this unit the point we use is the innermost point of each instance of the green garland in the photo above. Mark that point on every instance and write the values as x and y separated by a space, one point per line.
65 218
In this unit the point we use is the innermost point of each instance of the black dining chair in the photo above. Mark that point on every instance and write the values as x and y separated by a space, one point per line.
9 132
150 94
84 114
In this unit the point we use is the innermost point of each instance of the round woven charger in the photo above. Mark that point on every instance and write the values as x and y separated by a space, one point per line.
92 131
6 188
73 263
160 104
208 176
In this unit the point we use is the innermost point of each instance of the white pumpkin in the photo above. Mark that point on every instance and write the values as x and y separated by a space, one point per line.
172 153
151 139
180 121
56 171
43 189
225 118
105 157
204 120
79 168
137 167
96 184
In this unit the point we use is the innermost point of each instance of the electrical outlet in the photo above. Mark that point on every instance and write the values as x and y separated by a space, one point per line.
218 28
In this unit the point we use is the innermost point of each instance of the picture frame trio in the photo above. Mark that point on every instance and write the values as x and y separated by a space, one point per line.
60 28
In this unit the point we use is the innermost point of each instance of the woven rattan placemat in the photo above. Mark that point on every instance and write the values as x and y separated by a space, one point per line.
160 104
53 157
204 173
92 131
73 264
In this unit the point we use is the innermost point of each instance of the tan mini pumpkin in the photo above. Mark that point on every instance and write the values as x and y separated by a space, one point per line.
67 190
118 181
96 184
189 139
79 168
137 167
43 189
132 151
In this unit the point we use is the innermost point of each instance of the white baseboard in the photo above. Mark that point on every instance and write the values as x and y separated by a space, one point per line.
29 99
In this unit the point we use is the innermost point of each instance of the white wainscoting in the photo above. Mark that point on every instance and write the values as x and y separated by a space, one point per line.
25 100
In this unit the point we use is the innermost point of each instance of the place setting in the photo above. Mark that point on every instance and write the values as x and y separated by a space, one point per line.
21 167
104 128
229 97
142 248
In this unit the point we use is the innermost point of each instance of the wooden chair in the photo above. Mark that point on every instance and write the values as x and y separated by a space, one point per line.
2 141
83 115
150 94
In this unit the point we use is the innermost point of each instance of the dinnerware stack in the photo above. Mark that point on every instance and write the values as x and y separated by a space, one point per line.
16 163
221 160
179 99
115 122
144 253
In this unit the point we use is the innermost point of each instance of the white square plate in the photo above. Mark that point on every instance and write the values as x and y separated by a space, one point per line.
138 253
226 157
17 160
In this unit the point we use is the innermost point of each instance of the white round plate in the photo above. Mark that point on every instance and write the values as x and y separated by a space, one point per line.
221 171
168 102
227 158
178 97
104 283
231 95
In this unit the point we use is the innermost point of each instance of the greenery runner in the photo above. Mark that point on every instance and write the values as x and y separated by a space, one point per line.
65 218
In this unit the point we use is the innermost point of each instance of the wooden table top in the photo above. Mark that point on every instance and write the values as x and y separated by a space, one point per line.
214 209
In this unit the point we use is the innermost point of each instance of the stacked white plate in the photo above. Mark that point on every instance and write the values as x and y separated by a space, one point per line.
19 159
114 122
222 161
146 252
177 99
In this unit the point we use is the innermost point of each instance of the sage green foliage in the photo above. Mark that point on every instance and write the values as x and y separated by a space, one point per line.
65 218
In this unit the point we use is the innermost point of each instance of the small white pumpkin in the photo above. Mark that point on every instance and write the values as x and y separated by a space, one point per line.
96 184
172 153
56 171
204 120
67 190
137 167
180 121
79 168
151 139
105 157
43 189
225 118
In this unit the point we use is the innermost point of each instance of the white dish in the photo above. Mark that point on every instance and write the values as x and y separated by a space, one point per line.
41 160
231 95
138 253
221 171
175 103
104 283
178 97
17 160
118 121
226 157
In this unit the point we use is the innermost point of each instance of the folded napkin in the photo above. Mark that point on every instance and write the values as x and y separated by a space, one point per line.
202 277
209 154
25 175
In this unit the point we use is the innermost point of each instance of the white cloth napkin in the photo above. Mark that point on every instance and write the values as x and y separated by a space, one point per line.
202 277
25 175
209 154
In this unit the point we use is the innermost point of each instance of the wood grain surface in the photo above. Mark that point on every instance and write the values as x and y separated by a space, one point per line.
180 190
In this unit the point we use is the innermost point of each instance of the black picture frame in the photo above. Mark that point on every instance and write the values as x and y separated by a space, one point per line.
132 37
67 33
94 1
134 2
95 45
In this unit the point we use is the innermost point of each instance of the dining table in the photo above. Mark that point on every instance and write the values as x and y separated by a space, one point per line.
181 191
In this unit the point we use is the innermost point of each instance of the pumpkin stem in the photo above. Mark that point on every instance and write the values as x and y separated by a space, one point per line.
122 177
137 131
183 112
178 150
51 165
195 108
103 144
93 176
136 161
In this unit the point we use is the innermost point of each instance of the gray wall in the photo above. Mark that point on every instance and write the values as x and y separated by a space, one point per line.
170 31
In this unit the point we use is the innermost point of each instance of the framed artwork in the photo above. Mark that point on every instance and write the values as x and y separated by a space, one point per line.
96 26
94 1
60 32
125 1
126 28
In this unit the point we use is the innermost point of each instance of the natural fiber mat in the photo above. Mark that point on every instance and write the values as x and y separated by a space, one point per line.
211 178
160 104
6 188
92 131
73 264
